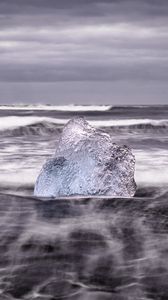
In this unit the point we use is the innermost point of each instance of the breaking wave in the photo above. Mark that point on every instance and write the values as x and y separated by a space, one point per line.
23 126
40 128
65 108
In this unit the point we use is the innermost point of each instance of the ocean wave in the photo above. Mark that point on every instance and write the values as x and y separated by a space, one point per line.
15 123
65 108
130 123
40 128
150 127
18 126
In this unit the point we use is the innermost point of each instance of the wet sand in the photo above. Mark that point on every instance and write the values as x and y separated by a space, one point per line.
83 248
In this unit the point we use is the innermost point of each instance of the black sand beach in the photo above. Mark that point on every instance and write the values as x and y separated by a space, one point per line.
78 248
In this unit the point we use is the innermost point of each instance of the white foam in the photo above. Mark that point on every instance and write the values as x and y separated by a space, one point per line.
151 166
127 122
14 121
17 121
65 108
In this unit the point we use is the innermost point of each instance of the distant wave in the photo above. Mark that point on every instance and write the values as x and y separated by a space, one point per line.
76 107
17 126
137 107
65 108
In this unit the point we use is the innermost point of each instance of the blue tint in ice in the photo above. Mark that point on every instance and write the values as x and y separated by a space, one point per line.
87 162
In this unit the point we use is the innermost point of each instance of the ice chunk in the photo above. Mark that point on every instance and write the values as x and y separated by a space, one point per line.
87 162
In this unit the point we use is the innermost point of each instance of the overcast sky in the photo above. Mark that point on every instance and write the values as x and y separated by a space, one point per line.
84 51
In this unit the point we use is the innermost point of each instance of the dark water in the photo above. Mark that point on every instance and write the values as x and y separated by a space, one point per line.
78 248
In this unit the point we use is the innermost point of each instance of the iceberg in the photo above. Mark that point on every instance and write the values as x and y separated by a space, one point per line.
86 162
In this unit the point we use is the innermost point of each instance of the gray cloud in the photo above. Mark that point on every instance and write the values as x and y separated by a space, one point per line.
81 40
20 5
102 92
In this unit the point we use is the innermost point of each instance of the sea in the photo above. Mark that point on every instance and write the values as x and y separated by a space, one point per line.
83 248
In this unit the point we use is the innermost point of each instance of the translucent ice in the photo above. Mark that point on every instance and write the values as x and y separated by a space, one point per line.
87 162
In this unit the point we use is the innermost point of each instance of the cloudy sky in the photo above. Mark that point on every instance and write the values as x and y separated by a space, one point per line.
84 51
